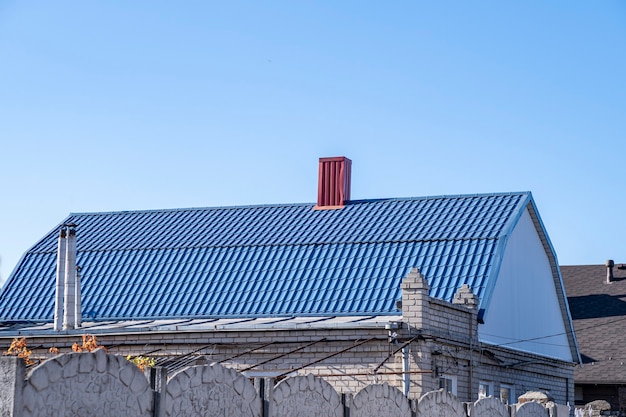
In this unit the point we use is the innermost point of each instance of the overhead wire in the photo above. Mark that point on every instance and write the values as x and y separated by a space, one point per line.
531 339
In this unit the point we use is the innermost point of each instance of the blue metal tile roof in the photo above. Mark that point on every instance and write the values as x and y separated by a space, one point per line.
268 260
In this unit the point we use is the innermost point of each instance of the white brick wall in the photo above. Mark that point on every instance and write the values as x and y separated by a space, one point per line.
435 326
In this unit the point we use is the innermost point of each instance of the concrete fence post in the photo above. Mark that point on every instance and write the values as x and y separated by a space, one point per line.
12 372
158 384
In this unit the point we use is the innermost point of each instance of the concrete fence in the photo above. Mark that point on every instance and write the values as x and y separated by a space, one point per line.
103 385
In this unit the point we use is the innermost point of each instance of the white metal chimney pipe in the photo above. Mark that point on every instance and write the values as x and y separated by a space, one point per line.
69 318
58 299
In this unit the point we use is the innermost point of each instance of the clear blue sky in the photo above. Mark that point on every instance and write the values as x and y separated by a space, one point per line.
119 105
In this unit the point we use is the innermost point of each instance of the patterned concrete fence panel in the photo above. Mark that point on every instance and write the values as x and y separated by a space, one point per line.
558 410
488 407
531 409
87 384
439 403
380 400
211 391
102 385
305 396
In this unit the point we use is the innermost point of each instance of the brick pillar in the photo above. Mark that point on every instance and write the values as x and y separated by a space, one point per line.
12 372
415 300
464 295
415 315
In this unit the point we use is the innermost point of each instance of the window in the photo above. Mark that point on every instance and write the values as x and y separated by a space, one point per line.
579 395
485 389
448 383
507 394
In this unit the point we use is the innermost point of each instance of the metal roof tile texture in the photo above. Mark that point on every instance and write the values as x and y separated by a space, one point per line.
269 260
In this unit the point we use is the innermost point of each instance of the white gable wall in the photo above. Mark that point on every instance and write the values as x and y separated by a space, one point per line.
524 311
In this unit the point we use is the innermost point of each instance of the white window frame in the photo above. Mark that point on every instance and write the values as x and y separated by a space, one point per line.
452 384
511 399
488 385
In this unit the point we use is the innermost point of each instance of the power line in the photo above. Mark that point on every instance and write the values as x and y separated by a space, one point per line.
533 339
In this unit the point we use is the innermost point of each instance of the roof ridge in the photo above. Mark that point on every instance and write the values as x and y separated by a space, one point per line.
442 196
182 209
270 205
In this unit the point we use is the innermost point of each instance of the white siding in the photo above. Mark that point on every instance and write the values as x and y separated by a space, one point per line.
524 310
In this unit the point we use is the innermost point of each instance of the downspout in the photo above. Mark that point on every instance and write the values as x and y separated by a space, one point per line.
471 356
406 370
58 300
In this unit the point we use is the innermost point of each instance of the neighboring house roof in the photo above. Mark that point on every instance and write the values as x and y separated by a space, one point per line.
598 311
270 260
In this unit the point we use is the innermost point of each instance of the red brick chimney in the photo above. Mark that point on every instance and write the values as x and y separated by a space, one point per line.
333 182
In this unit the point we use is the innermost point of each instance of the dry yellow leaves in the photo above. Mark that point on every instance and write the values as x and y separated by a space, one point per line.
19 348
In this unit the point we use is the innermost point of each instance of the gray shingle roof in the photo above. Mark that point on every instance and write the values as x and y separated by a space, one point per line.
599 314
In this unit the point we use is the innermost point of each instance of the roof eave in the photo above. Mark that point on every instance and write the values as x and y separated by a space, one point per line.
125 327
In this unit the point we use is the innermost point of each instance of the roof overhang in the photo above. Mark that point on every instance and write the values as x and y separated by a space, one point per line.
204 325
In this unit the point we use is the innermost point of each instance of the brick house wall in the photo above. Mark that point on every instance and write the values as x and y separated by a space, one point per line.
440 340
